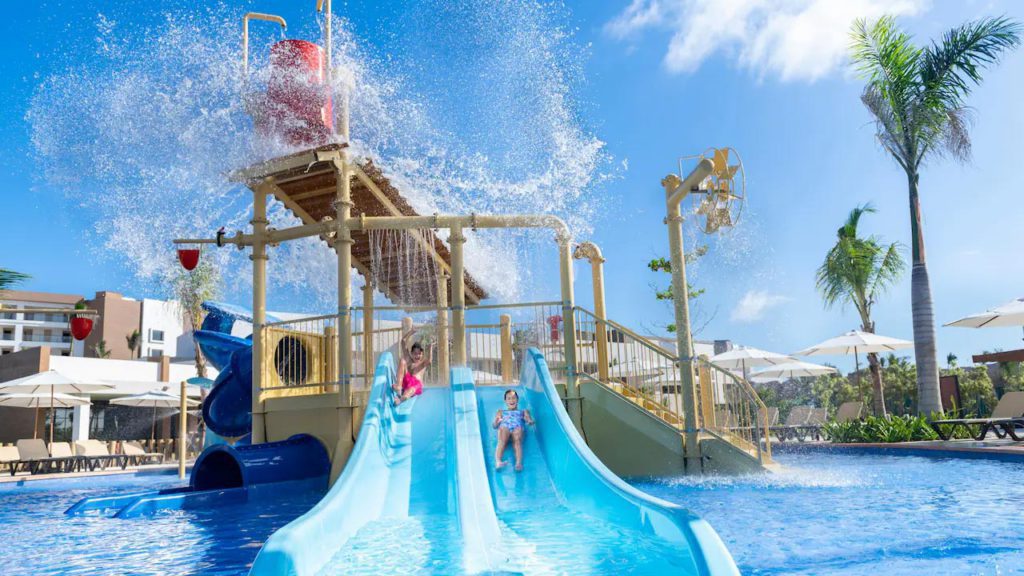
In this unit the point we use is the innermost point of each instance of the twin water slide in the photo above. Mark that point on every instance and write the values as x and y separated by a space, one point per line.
425 467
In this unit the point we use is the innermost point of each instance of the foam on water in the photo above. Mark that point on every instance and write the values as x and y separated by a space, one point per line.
141 131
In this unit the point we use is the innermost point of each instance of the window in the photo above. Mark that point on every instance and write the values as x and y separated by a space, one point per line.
156 353
8 333
156 335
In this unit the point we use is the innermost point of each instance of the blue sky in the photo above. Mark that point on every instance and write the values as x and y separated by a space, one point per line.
665 79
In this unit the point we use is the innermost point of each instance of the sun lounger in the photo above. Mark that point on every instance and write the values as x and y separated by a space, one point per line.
36 458
137 455
1007 416
849 411
772 413
96 455
812 428
798 418
9 458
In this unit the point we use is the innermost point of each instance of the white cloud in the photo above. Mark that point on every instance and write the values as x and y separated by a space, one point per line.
791 39
754 304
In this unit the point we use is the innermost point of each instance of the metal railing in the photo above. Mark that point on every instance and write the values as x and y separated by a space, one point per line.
648 375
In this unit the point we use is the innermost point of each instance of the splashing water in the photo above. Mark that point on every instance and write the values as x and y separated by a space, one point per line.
142 132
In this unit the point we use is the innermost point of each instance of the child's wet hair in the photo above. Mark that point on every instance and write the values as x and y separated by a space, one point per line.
507 392
416 346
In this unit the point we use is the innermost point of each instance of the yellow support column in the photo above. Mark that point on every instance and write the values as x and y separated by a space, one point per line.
343 247
591 252
368 352
259 306
182 431
456 240
442 328
572 390
506 348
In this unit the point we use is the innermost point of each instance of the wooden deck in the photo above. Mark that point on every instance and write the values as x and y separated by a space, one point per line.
306 183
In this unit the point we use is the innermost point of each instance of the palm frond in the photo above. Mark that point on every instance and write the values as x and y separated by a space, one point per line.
949 67
10 278
889 269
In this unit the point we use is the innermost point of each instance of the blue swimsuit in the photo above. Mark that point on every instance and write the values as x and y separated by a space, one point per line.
512 419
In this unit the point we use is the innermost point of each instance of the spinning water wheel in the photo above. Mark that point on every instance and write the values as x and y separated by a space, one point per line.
721 195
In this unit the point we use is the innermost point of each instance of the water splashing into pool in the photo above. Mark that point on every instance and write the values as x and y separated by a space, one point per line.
141 132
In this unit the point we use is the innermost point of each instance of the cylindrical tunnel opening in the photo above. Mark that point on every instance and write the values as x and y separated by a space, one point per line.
217 469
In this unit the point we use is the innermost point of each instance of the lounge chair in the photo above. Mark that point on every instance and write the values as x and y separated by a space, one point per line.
9 458
773 416
137 455
792 429
96 455
849 411
812 428
1007 416
36 458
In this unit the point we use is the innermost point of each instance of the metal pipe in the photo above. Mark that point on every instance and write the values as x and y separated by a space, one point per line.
368 367
675 191
568 318
456 241
442 327
592 252
245 33
259 306
506 348
343 247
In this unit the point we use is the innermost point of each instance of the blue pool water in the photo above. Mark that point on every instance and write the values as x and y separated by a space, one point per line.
849 514
38 538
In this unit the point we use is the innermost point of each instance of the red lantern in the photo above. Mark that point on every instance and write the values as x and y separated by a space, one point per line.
554 321
81 327
189 258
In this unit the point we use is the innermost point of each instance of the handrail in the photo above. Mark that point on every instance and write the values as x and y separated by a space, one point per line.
751 395
643 341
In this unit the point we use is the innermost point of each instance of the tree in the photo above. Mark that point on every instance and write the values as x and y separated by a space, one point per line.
917 98
10 278
857 270
191 289
664 265
133 340
100 349
951 361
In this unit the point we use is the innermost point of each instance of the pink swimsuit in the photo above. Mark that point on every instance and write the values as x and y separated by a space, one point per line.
410 382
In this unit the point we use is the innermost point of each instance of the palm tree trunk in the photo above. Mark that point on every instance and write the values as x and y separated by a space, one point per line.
928 400
876 379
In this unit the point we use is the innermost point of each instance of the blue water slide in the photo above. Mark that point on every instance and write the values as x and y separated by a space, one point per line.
229 475
564 484
399 468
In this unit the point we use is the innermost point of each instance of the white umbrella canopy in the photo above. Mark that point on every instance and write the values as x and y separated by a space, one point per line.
1007 315
795 369
42 400
856 342
746 358
153 399
52 382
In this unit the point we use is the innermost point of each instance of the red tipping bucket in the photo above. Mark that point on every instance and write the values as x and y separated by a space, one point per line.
297 108
189 258
81 327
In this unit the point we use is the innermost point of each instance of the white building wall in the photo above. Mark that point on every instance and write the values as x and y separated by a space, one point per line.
163 331
21 329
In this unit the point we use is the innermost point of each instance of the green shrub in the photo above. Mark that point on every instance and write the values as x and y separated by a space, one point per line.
880 430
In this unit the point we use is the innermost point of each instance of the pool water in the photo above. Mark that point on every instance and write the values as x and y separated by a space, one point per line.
865 514
38 538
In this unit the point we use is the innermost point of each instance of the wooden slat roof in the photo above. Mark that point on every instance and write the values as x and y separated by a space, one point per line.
306 182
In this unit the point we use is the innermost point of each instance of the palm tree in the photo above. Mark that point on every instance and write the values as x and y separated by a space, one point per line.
9 278
917 97
100 349
857 271
133 340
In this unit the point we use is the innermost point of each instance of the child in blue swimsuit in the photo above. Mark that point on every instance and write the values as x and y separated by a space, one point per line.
511 423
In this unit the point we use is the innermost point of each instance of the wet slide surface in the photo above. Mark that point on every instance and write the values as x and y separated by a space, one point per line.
545 536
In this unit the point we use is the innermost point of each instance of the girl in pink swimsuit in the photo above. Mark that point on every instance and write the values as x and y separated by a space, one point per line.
410 374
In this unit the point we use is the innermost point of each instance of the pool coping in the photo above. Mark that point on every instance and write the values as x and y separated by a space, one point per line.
927 448
146 470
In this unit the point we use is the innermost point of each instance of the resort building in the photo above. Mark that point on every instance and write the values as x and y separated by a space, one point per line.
26 329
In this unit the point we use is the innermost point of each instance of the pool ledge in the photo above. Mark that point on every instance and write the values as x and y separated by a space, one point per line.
153 469
992 449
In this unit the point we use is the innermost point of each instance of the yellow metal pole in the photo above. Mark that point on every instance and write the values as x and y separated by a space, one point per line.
675 191
368 365
182 427
568 315
259 305
343 247
591 252
456 240
506 348
442 327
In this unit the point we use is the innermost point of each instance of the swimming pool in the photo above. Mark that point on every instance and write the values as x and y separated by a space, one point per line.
38 538
865 514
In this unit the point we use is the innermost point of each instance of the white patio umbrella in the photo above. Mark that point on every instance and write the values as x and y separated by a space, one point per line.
153 399
1009 314
22 400
795 369
51 382
745 358
856 342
